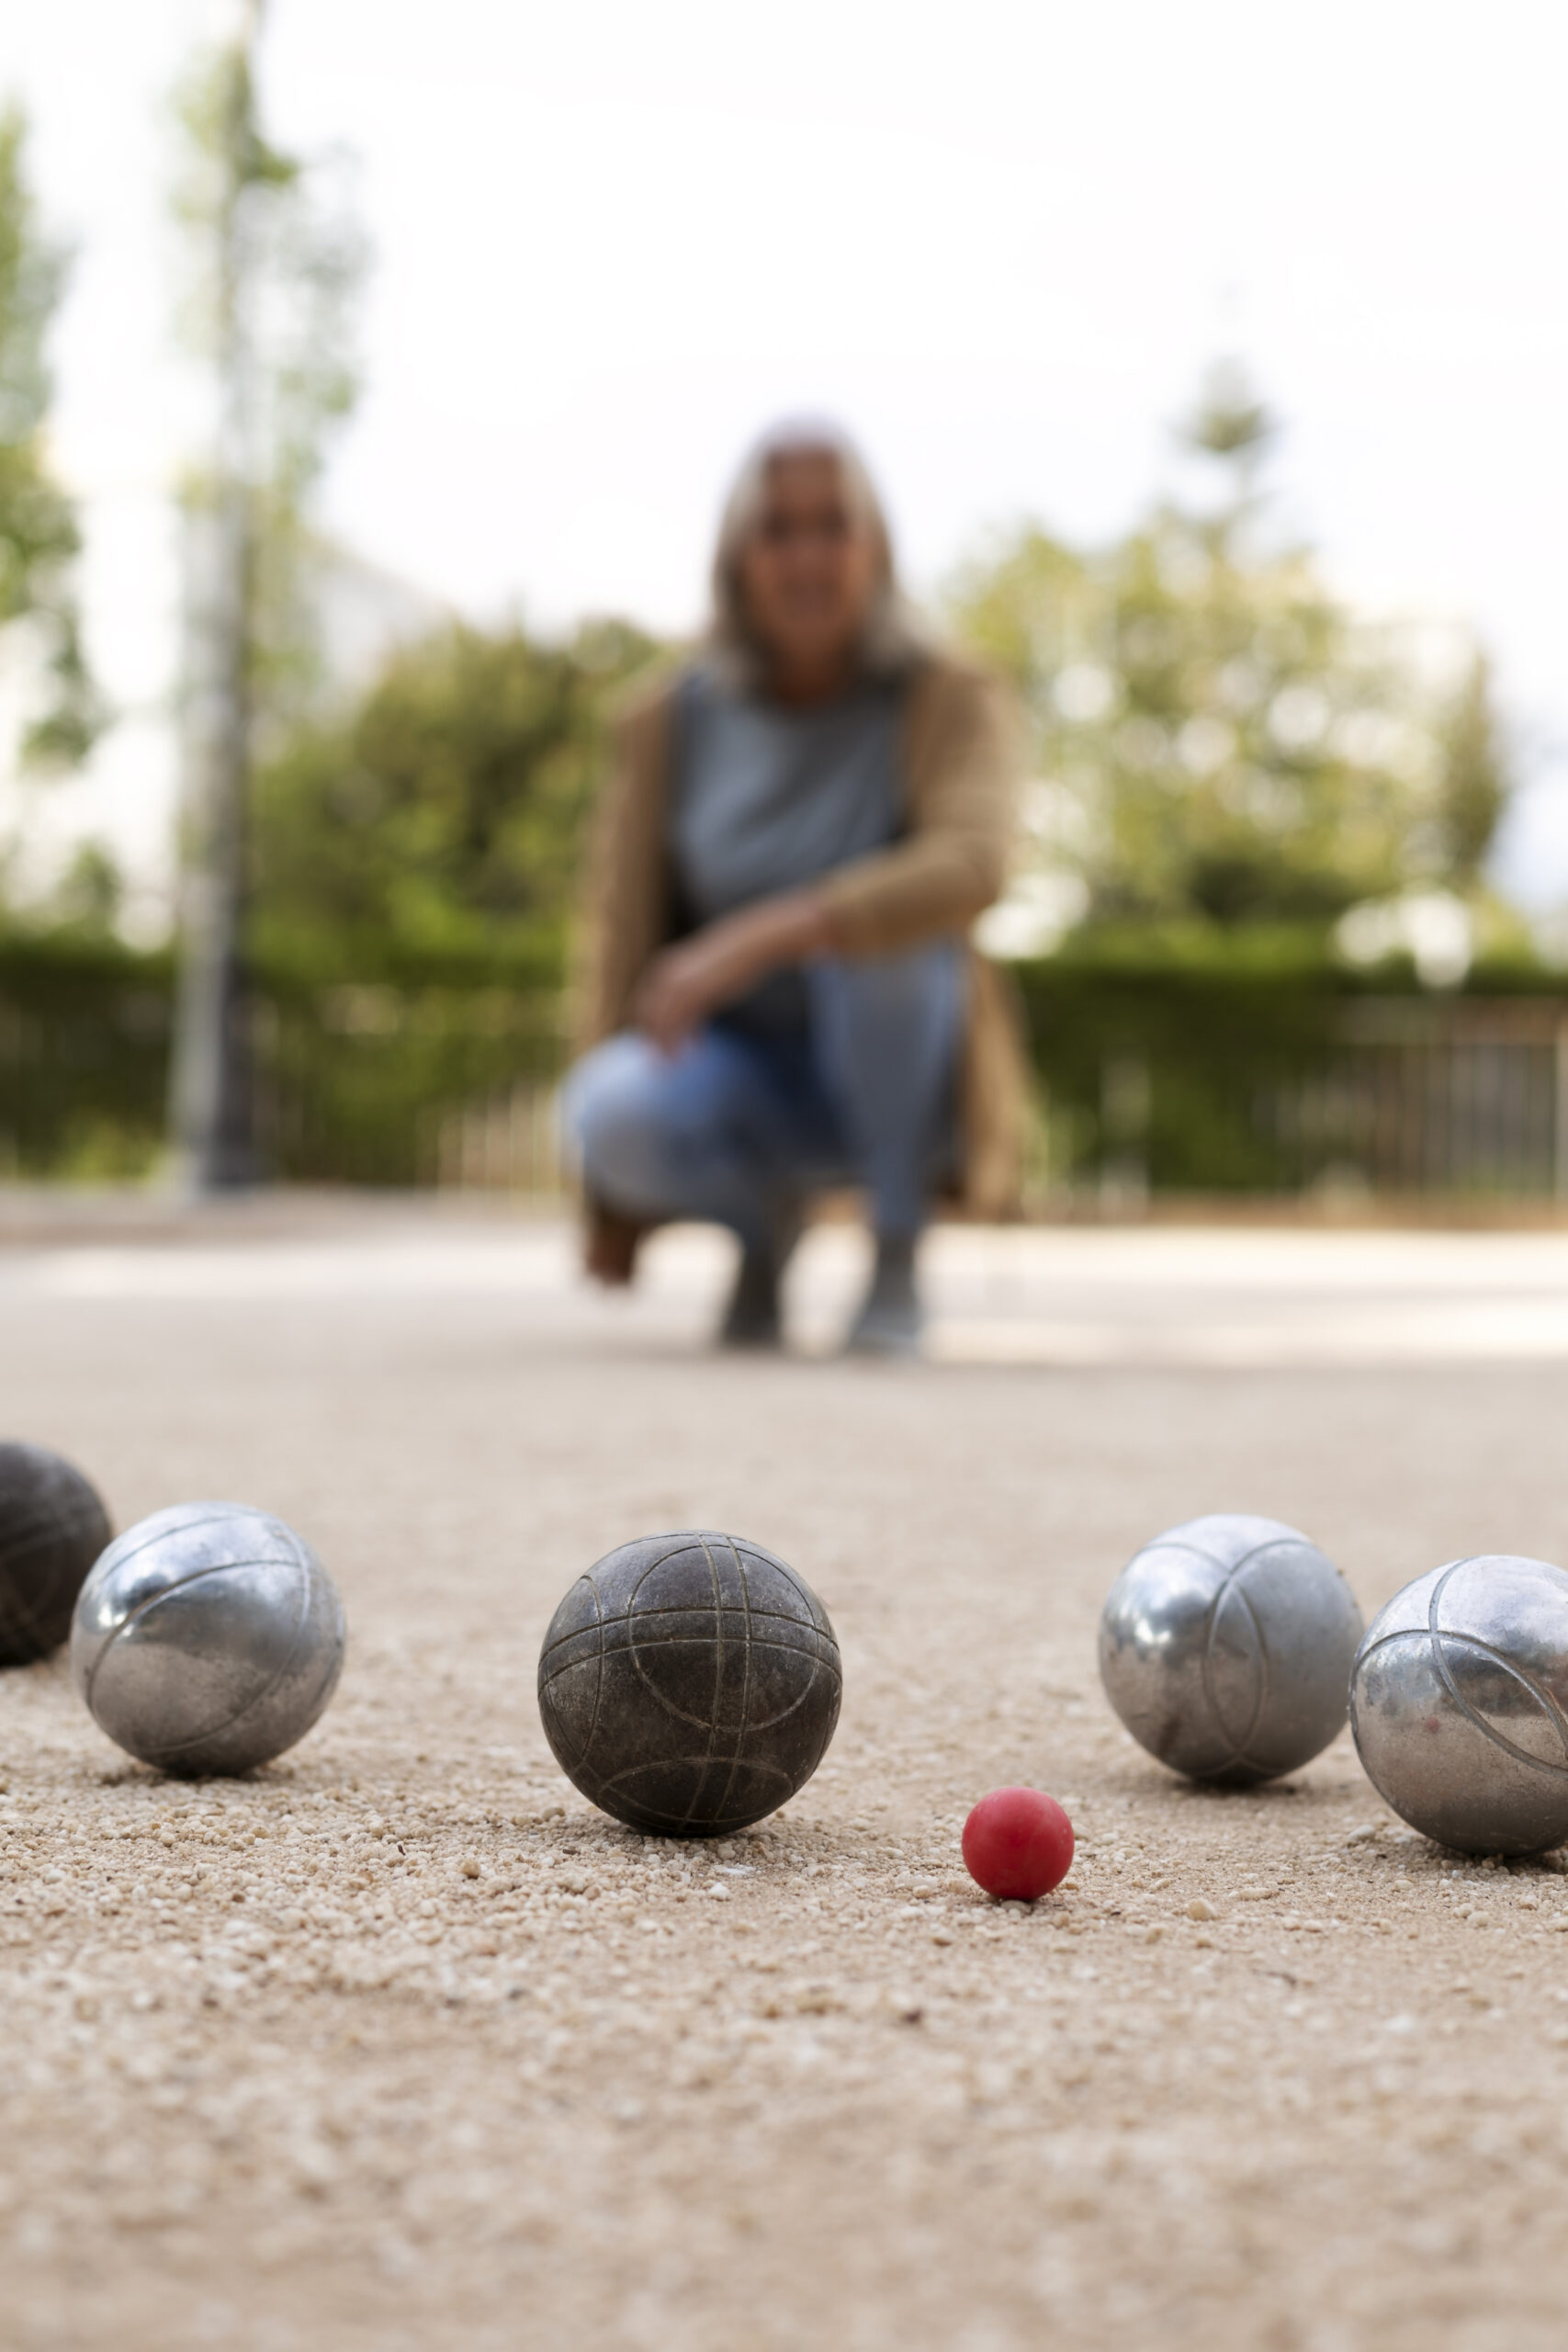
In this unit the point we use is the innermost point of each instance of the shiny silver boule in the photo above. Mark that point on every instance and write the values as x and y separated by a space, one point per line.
1459 1702
1225 1647
207 1638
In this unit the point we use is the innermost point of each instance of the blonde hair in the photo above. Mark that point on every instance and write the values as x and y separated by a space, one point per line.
892 639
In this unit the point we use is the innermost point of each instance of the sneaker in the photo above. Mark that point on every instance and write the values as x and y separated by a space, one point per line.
753 1317
891 1321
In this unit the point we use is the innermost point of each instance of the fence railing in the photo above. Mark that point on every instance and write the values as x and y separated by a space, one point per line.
504 1143
1171 1082
83 1059
1465 1098
372 1082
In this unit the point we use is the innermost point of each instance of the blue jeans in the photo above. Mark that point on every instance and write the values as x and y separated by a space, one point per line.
741 1123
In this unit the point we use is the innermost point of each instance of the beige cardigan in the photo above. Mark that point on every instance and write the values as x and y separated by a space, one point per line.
960 760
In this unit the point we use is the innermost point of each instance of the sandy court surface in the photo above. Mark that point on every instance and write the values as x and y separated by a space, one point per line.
398 2046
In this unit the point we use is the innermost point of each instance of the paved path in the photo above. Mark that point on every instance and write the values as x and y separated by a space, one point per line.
1156 1296
398 2046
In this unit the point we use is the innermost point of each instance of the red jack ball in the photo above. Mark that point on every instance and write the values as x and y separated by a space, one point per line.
1018 1843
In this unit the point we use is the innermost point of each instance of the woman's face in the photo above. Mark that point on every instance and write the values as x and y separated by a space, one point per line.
808 572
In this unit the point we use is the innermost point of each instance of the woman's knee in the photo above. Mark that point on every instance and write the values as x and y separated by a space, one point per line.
916 993
613 1110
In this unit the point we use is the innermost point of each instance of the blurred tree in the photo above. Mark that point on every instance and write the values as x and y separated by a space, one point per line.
441 817
1217 735
38 536
277 260
89 894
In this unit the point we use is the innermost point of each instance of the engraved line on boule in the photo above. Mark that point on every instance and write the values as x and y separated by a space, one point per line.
806 1625
1498 1658
620 1784
819 1624
815 1614
632 1772
1396 1633
790 1649
717 1681
586 1747
176 1584
44 1533
1238 1746
1195 1551
1543 1699
720 1624
257 1698
217 1515
634 1618
1239 1754
745 1677
261 1697
673 1641
22 1610
1211 1559
699 1644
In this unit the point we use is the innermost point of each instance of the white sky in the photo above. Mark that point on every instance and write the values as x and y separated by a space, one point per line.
999 239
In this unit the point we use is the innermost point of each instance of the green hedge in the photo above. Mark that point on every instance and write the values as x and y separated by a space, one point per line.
358 1075
1258 1063
1244 1063
353 1074
84 1056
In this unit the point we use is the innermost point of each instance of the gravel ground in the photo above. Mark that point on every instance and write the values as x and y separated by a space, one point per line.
399 2045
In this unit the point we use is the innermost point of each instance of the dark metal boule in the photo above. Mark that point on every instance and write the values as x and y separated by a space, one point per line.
689 1683
53 1527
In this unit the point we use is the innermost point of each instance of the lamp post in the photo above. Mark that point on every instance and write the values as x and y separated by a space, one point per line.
212 1107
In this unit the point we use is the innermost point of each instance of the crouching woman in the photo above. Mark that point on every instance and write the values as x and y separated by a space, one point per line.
778 994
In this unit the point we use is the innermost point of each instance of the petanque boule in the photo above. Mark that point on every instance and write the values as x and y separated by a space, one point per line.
52 1528
689 1683
1459 1704
1225 1647
207 1638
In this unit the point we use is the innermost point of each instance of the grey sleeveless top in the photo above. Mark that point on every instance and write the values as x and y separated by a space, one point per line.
767 799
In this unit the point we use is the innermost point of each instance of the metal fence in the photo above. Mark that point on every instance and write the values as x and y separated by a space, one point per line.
503 1143
1452 1098
1461 1098
1457 1097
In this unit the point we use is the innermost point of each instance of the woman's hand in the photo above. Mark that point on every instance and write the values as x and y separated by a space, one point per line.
686 982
